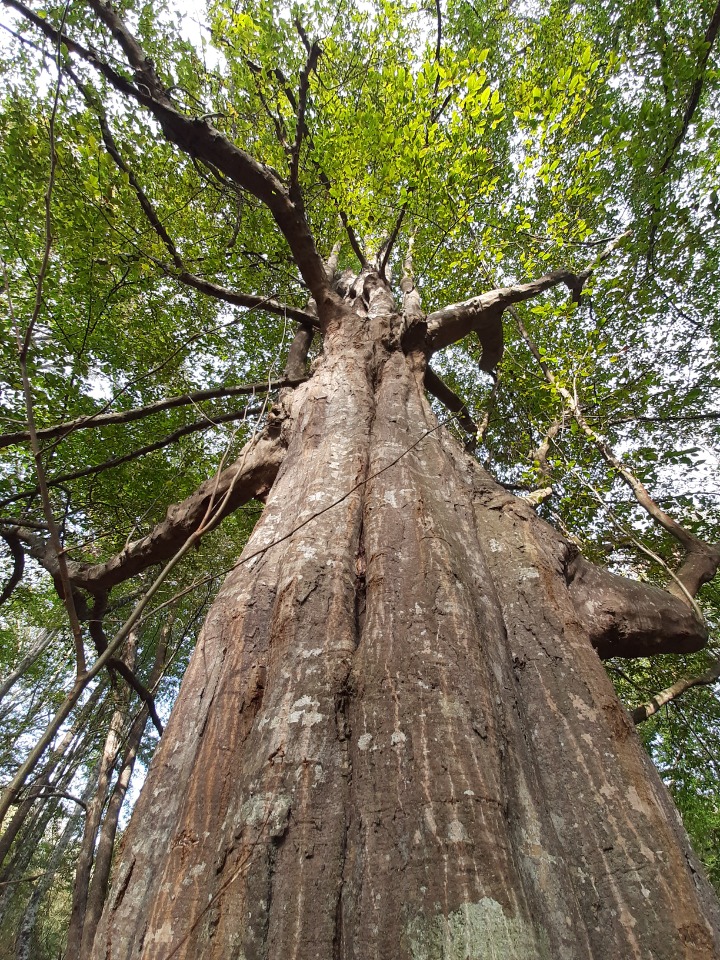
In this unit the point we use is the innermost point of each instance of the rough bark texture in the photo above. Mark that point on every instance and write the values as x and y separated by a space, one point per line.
395 739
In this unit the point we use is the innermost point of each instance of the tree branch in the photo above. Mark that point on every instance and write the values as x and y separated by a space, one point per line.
18 555
237 299
139 413
301 129
181 273
702 559
250 477
625 618
483 314
390 242
205 424
439 389
694 98
143 693
198 138
646 710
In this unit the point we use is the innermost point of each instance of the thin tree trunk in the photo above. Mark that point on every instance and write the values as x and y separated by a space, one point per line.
35 827
93 816
97 891
42 642
44 778
395 739
24 940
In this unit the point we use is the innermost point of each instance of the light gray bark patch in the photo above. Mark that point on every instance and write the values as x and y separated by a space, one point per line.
475 931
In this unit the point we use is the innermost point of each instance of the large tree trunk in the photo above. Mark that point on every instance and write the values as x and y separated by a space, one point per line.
394 739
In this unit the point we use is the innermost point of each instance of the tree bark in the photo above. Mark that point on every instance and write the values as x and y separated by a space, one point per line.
395 739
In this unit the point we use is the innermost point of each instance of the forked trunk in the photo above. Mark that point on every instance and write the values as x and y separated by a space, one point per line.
394 739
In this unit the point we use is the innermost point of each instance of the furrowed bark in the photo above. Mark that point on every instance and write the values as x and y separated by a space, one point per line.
364 757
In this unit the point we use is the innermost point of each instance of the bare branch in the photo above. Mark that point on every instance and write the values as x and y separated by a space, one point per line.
205 424
541 454
651 707
351 235
390 242
238 299
139 413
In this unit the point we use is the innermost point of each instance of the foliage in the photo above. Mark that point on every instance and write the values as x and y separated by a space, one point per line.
516 139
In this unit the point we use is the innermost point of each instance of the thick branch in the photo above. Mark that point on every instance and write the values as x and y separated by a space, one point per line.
298 353
438 388
483 314
629 619
198 138
651 707
207 287
250 477
412 304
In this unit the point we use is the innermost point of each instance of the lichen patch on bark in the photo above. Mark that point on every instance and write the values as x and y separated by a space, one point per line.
475 931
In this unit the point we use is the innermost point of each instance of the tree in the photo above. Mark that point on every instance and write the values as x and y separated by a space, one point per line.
396 736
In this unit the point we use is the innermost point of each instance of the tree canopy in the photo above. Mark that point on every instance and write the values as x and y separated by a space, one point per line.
171 184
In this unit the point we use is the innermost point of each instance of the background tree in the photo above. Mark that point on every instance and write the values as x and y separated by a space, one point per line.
179 219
